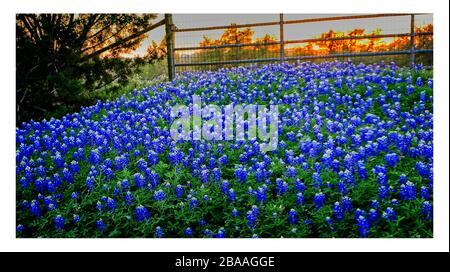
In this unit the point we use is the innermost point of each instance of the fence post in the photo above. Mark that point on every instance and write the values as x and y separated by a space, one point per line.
411 42
281 38
170 42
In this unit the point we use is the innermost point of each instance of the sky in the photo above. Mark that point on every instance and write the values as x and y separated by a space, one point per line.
292 31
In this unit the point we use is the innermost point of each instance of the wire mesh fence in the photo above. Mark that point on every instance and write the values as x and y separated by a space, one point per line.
210 42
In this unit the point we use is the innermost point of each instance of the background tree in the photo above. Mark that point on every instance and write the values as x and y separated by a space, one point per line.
62 59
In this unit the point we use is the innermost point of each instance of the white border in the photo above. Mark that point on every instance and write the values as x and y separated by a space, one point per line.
440 242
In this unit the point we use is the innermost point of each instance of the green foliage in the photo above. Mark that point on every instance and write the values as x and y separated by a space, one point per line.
61 59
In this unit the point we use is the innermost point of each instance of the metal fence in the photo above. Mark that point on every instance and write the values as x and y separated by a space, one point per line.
280 49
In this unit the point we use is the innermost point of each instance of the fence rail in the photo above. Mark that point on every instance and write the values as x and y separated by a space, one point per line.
281 42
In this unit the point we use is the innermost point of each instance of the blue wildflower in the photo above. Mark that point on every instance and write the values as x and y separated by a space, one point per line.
188 232
142 213
364 227
319 200
159 232
427 210
389 214
293 217
159 195
100 225
59 222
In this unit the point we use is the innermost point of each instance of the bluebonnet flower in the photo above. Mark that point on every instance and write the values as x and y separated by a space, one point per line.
223 160
383 192
193 202
389 214
159 195
317 180
424 193
41 171
216 174
409 90
179 192
251 219
51 187
241 174
152 157
99 206
100 225
109 173
299 186
125 184
159 232
338 211
422 168
402 179
362 172
25 205
67 175
50 203
220 233
255 210
373 216
128 198
319 200
382 179
291 172
74 167
329 222
408 191
188 232
24 183
419 82
90 183
359 213
205 175
111 203
142 164
142 213
391 159
59 161
212 162
59 222
341 188
374 204
260 174
235 212
281 186
261 195
347 204
20 228
207 233
231 195
427 210
293 217
202 222
225 187
139 180
74 195
76 218
300 199
364 227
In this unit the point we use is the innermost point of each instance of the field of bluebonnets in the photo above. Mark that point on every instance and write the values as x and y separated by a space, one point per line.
354 159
